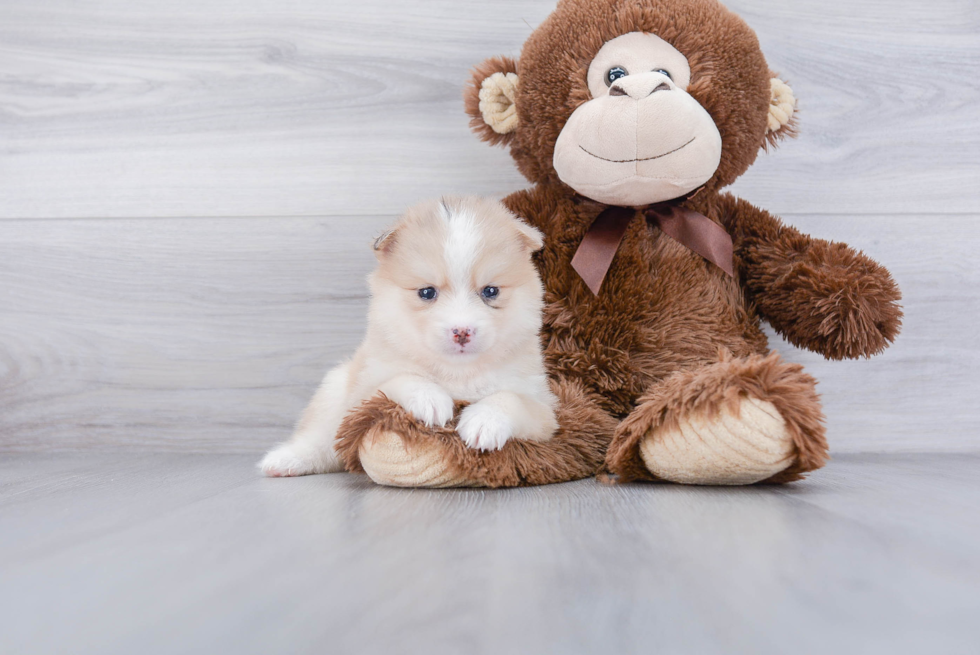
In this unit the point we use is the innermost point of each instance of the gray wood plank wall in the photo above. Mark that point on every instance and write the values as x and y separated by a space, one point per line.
188 191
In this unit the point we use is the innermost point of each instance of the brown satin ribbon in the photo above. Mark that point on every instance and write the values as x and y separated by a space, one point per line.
692 230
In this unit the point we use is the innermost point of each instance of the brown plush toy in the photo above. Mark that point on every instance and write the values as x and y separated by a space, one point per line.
630 117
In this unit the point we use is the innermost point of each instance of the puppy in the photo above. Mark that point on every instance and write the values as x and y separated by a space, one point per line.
455 315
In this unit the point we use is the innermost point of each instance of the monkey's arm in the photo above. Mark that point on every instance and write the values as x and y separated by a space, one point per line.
820 295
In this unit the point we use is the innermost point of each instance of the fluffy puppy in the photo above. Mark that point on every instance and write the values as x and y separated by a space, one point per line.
455 315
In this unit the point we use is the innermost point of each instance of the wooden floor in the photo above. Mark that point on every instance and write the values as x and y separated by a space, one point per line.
148 553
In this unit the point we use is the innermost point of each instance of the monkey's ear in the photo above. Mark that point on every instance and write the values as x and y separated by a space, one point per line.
489 99
782 112
384 243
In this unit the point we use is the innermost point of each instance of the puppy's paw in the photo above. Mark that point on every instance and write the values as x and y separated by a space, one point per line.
286 462
429 404
485 427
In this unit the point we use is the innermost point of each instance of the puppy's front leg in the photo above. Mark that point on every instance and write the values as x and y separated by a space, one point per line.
489 423
423 399
311 448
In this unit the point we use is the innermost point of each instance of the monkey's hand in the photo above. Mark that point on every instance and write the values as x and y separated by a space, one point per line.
822 296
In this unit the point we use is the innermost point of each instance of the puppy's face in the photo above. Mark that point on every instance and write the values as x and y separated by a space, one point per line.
456 282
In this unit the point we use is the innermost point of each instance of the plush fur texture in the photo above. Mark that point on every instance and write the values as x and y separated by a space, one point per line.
670 335
575 452
706 390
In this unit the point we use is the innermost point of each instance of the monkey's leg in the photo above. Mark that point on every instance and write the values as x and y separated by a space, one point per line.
733 422
394 449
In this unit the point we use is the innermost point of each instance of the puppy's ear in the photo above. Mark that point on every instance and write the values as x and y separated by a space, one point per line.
490 100
782 113
530 237
384 243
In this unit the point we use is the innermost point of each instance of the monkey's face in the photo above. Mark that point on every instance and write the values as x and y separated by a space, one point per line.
633 102
641 138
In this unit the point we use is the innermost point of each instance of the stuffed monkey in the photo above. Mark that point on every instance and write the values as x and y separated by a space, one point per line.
629 118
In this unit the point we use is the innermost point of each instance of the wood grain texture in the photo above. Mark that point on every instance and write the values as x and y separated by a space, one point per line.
210 335
213 171
148 333
259 108
198 554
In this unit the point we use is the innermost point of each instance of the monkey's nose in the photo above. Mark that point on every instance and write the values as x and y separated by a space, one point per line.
636 89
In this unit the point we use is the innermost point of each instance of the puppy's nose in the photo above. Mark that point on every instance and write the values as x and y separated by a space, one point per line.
462 335
640 86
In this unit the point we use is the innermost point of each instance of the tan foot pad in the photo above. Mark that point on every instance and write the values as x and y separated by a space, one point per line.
388 460
740 446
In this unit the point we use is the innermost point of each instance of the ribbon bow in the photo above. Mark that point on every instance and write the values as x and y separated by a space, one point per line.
692 230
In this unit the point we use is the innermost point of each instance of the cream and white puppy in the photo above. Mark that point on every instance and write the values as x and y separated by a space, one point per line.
455 315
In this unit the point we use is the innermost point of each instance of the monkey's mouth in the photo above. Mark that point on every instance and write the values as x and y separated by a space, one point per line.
631 161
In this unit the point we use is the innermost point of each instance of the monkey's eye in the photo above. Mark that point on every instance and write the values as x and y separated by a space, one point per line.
614 74
428 293
665 73
489 293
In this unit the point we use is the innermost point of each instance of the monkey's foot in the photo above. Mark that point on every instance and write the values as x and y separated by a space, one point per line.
734 422
743 444
383 440
388 460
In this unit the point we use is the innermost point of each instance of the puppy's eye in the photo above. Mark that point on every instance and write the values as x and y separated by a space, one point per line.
665 73
489 293
428 293
614 74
